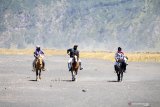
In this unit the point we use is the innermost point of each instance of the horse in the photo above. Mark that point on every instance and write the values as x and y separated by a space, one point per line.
120 68
74 67
39 66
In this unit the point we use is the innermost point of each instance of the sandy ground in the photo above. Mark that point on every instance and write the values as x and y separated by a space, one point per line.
96 85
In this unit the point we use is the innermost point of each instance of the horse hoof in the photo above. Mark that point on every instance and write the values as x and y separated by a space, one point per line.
73 79
38 79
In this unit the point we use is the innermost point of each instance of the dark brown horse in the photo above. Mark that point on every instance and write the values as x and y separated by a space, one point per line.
74 68
38 66
120 69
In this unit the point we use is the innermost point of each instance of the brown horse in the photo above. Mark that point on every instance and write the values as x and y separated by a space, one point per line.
39 66
120 68
74 68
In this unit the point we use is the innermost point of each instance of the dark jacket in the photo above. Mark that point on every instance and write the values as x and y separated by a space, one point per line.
73 52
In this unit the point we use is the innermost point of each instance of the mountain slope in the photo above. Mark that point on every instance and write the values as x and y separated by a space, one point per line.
92 24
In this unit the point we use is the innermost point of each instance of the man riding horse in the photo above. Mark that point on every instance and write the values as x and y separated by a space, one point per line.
72 52
37 53
119 57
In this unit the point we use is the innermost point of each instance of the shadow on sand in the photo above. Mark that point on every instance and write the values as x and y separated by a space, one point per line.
112 81
32 80
59 80
67 80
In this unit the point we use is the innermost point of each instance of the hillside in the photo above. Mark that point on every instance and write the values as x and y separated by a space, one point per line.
92 24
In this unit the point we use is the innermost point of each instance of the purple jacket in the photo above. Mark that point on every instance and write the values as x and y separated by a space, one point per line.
36 53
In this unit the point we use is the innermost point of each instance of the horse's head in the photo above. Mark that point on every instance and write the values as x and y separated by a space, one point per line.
75 59
75 64
120 60
39 60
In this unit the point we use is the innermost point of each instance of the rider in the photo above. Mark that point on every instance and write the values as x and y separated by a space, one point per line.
73 51
119 57
38 52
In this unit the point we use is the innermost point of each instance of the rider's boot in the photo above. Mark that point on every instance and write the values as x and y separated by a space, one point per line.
80 65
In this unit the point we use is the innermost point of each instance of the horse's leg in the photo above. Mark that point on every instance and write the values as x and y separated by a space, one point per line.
122 74
40 74
72 74
118 75
36 74
117 71
73 78
75 73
